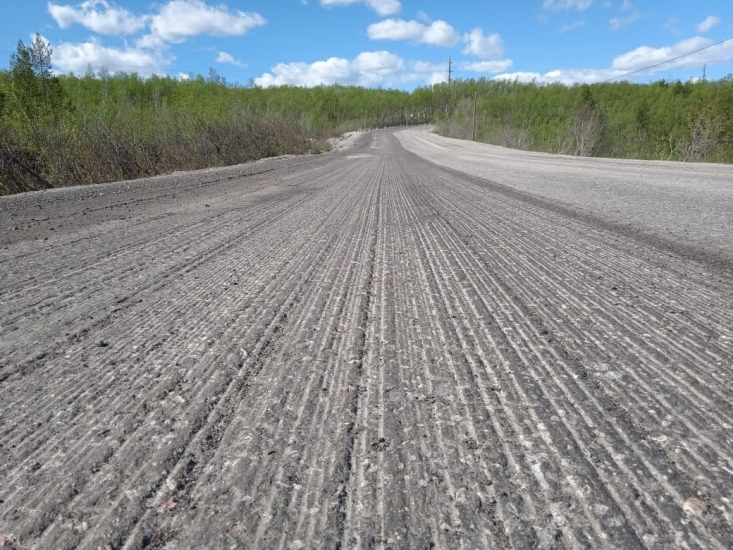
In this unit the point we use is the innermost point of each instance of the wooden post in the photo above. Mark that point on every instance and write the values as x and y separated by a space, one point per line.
473 133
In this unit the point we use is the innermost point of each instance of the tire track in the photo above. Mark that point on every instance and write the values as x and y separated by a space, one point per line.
360 351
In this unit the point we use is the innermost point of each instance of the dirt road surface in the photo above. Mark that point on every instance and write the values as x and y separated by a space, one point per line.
399 345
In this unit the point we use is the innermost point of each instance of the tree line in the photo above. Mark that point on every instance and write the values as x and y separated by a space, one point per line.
683 121
59 130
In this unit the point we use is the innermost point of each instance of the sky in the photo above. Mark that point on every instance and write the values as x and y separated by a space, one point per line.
389 43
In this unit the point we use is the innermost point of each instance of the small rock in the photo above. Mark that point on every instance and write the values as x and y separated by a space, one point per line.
238 528
694 507
445 527
167 506
7 539
103 344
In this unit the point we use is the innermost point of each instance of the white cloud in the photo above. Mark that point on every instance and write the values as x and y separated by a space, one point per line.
645 56
224 57
521 76
438 32
637 60
396 29
709 23
97 15
436 78
483 46
491 67
431 73
572 26
382 7
181 19
366 69
563 5
563 76
621 22
77 58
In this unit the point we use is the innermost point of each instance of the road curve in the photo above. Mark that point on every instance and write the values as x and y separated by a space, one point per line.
361 349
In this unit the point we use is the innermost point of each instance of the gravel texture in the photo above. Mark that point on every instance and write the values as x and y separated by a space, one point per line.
361 349
688 202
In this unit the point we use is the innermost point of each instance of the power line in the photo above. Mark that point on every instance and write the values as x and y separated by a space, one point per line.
667 61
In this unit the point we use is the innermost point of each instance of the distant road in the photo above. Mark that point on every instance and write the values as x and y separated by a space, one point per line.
411 342
688 202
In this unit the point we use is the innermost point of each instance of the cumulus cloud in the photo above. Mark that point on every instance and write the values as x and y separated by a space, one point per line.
488 67
382 7
97 15
709 23
483 46
174 22
645 56
78 57
396 29
564 76
640 59
431 73
227 58
366 69
438 32
563 5
182 19
435 73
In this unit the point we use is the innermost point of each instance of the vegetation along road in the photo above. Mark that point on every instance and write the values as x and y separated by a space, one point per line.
412 342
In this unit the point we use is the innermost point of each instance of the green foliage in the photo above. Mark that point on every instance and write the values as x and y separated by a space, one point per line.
688 121
70 130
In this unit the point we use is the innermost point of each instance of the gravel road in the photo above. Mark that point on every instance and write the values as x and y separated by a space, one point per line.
672 201
373 348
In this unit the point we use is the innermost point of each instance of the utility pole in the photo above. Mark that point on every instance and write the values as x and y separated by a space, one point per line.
450 69
473 133
704 72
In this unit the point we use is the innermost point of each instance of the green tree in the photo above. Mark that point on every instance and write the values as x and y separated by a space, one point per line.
36 90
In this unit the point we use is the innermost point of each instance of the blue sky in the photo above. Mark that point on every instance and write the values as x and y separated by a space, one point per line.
389 43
